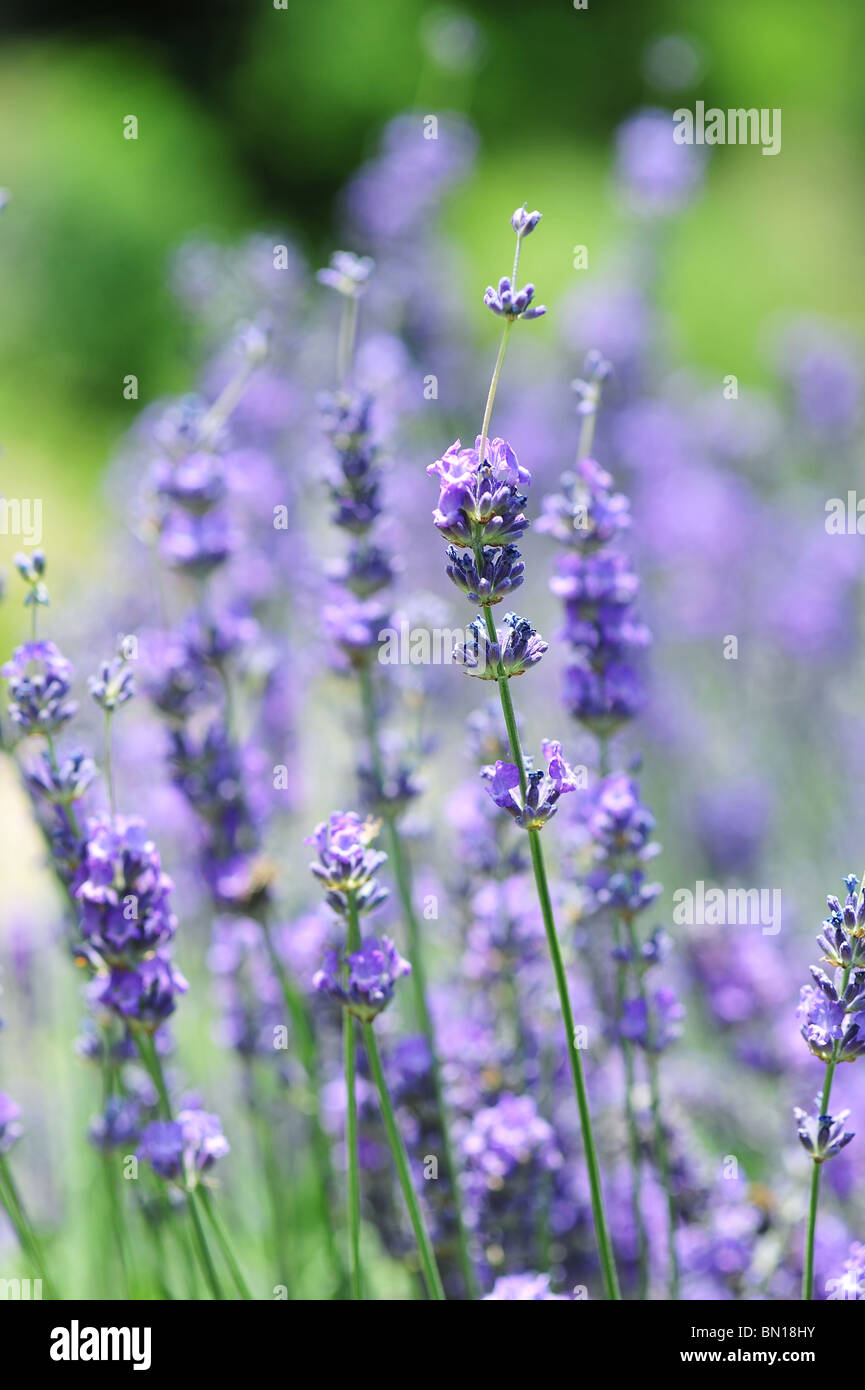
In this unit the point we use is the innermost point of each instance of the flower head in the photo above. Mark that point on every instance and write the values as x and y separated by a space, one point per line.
144 995
822 1136
653 1022
347 273
480 499
543 789
366 984
525 1288
525 222
518 647
118 1126
185 1147
346 863
40 679
125 897
510 303
114 685
499 572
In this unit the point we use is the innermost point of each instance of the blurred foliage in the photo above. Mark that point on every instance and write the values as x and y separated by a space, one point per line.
253 114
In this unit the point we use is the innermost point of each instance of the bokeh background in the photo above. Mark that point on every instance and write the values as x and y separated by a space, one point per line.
252 117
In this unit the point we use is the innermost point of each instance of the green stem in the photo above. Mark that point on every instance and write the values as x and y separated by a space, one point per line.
153 1066
202 1249
352 1161
109 773
808 1271
115 1216
11 1201
432 1277
345 344
308 1052
491 395
605 1246
349 1045
222 1241
402 878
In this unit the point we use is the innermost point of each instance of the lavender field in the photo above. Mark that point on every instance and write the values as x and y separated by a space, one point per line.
431 732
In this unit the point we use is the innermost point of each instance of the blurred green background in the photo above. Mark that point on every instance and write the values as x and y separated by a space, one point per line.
250 114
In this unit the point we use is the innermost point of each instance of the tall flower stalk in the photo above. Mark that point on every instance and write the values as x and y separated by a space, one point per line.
355 621
361 976
119 897
603 692
480 514
832 1015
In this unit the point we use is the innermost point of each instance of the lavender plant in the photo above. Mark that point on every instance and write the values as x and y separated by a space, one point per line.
603 691
118 895
355 619
361 976
480 510
832 1016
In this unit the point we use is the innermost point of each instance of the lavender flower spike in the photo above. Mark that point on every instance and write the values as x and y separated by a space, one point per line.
372 973
544 788
40 679
346 864
525 222
822 1136
517 648
347 273
832 1014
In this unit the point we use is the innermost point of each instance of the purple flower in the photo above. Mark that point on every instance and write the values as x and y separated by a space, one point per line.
517 649
500 572
10 1129
824 1015
654 1022
510 1152
544 788
512 303
118 1126
161 1146
480 501
197 544
114 685
145 995
184 1147
125 897
203 1139
196 482
656 175
525 222
40 678
368 985
60 782
822 1136
355 626
347 273
345 863
586 513
524 1287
